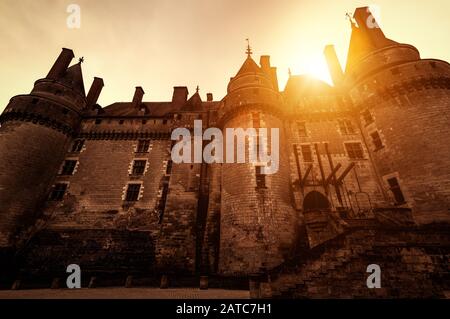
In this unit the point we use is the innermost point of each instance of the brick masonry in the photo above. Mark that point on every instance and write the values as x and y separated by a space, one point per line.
222 219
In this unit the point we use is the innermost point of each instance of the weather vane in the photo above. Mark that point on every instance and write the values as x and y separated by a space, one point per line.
81 60
350 18
249 49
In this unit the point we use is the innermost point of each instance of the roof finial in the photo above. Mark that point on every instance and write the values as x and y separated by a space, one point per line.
81 60
197 89
249 49
289 72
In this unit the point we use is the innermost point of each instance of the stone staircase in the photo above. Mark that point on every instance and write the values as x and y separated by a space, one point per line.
322 262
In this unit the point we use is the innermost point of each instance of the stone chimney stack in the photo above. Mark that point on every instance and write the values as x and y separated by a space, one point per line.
138 95
61 64
180 95
94 92
334 67
209 97
271 71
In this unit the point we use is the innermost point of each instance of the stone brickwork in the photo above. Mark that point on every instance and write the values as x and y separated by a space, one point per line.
363 177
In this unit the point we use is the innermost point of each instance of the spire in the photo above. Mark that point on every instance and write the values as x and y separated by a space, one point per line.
249 49
197 89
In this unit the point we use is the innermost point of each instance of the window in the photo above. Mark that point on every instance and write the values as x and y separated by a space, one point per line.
162 201
394 186
139 167
164 122
256 120
367 116
77 146
68 167
260 177
376 140
144 121
98 121
58 191
133 192
354 150
301 127
346 127
143 146
121 121
307 153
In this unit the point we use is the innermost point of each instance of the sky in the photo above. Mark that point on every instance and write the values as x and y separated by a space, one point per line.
158 44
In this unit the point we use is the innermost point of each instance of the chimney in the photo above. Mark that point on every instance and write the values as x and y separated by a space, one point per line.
271 71
180 94
61 64
264 61
138 95
209 97
334 67
94 92
366 22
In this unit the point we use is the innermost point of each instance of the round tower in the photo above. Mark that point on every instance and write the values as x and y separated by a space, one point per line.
258 222
36 130
403 104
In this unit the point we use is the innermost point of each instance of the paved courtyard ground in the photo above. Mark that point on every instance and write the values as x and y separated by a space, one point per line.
124 293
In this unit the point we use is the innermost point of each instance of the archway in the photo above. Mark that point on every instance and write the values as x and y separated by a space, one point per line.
315 201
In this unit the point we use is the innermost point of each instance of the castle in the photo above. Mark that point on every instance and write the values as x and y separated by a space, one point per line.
364 177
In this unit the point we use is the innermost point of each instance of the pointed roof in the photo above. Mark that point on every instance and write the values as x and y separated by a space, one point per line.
249 66
364 38
195 100
73 77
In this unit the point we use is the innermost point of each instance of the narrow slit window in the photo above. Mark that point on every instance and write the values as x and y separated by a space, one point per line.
394 186
376 140
301 128
260 177
307 153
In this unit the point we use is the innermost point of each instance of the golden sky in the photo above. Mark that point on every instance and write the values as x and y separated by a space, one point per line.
158 44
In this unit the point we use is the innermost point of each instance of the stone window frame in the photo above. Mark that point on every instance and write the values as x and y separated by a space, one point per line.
74 169
353 158
301 128
140 192
401 187
78 145
376 146
139 149
365 118
346 127
53 191
310 146
132 166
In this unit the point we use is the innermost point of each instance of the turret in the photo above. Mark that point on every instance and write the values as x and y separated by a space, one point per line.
403 104
258 222
36 130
